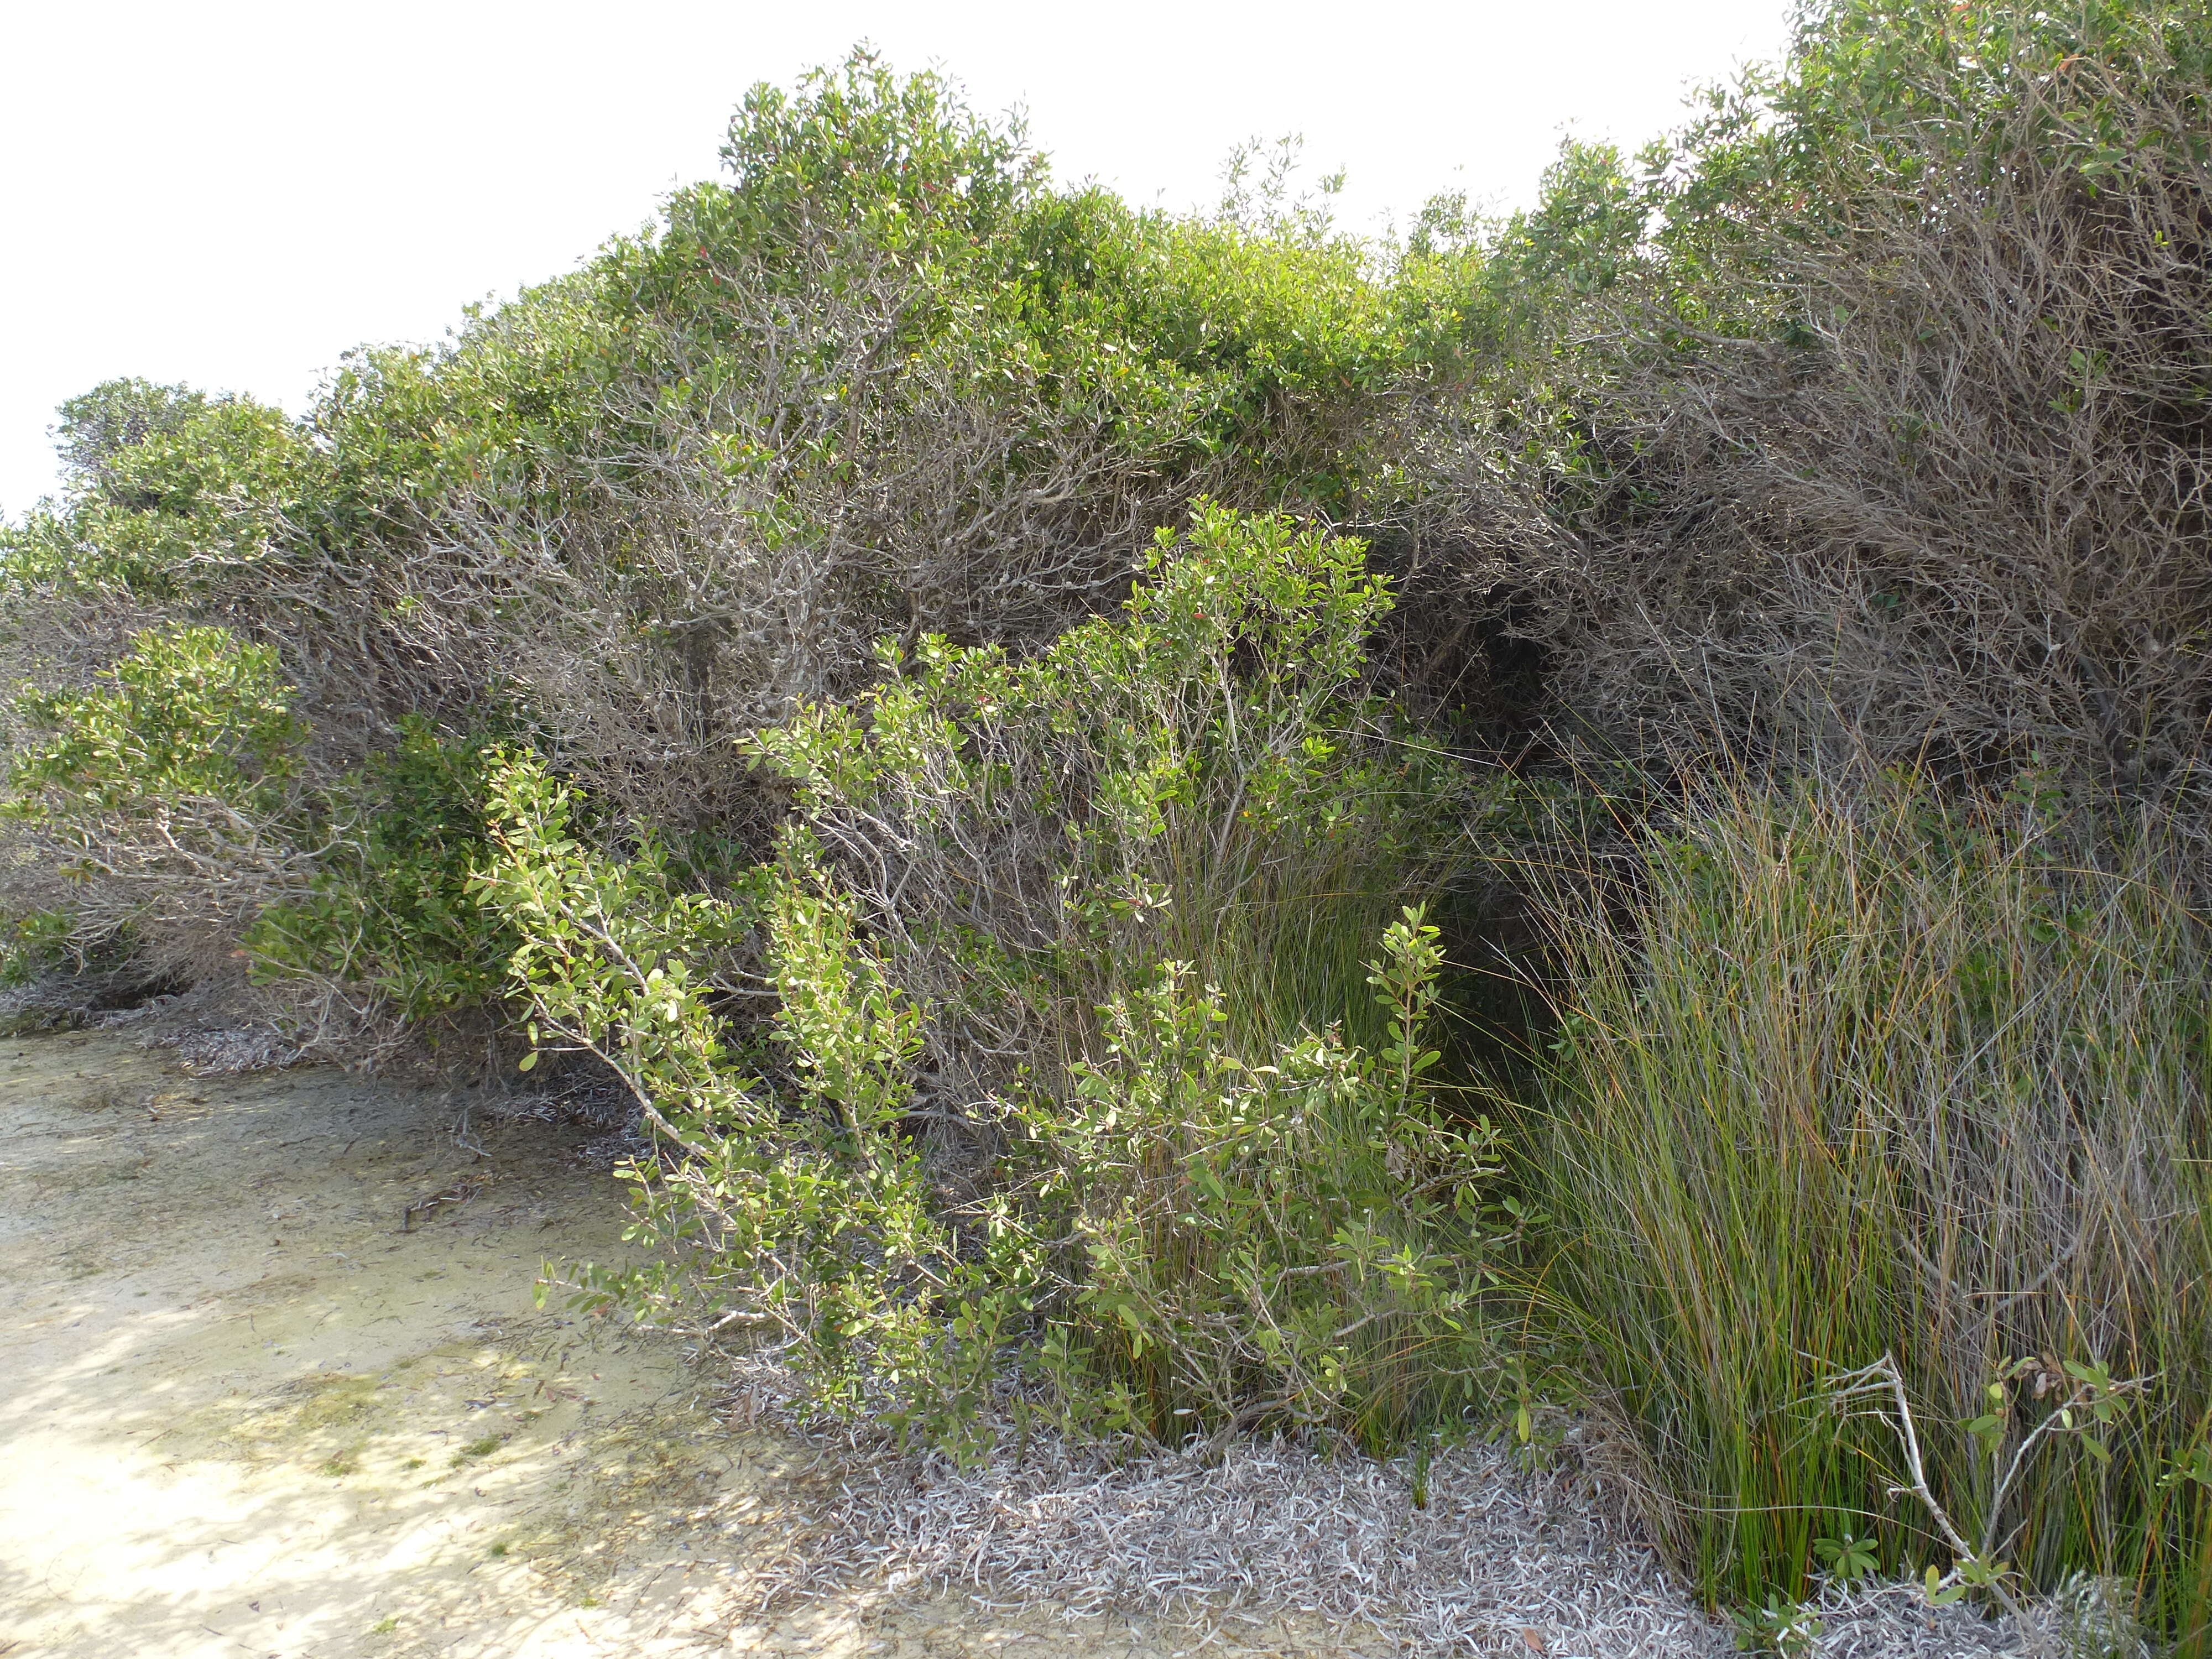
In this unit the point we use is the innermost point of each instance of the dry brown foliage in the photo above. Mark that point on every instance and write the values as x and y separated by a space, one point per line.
1954 514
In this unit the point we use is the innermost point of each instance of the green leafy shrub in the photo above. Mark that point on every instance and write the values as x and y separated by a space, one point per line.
879 380
999 1117
1302 1240
391 912
172 794
192 715
180 796
176 495
802 1212
116 415
1208 779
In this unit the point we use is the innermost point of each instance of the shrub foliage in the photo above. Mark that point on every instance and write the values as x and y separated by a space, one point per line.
1181 822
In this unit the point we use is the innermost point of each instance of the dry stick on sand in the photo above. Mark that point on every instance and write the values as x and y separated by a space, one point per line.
459 1192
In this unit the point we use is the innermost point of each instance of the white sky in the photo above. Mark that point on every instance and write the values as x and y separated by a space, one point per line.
231 194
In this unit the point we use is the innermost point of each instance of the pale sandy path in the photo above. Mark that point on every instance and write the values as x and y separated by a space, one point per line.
242 1412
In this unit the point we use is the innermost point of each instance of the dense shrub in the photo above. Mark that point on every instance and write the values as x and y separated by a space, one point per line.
1001 1111
1889 441
840 657
390 926
166 798
883 381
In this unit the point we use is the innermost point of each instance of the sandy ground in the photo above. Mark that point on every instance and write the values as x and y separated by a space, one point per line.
245 1410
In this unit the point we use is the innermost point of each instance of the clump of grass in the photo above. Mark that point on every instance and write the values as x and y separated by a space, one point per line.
475 1448
1842 1080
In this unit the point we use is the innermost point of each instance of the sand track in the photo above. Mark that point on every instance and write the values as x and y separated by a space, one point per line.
247 1410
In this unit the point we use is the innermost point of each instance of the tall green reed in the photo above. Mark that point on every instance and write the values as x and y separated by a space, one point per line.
1842 1078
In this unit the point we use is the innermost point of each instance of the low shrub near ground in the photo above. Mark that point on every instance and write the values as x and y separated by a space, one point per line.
173 809
1019 1102
1879 1081
389 926
166 798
